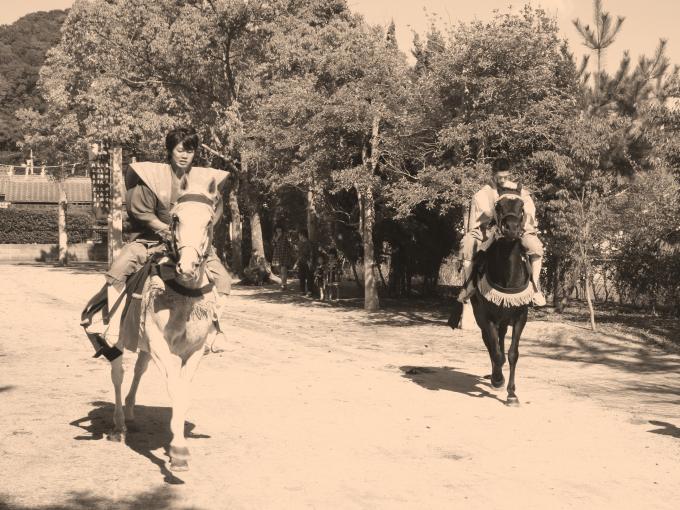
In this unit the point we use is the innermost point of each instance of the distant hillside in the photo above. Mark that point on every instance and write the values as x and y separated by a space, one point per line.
23 46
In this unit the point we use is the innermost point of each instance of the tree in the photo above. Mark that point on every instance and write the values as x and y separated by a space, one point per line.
491 88
574 189
129 70
335 118
599 38
645 251
23 46
51 142
507 87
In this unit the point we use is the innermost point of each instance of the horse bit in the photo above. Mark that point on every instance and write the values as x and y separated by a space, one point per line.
205 248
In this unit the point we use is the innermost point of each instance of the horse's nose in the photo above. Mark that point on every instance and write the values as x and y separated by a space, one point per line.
186 269
511 229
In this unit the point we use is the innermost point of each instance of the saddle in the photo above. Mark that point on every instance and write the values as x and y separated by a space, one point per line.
98 304
130 299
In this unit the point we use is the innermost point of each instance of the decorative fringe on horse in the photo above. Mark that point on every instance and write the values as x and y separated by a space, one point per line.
505 297
198 308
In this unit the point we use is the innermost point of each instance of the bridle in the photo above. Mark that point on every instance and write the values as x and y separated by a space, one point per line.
501 216
204 248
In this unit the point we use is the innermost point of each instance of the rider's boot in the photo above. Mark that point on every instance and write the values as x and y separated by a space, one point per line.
469 287
104 338
218 343
538 298
112 332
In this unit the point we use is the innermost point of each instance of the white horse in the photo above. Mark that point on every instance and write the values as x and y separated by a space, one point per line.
177 312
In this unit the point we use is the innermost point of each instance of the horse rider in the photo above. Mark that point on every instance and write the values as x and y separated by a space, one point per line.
152 190
480 234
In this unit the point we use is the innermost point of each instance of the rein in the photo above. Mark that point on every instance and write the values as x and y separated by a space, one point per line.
202 251
175 248
186 291
501 215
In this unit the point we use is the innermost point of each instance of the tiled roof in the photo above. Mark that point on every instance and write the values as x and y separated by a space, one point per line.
39 189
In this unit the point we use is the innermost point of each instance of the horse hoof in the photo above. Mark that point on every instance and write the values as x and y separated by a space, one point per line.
179 465
498 383
512 402
116 436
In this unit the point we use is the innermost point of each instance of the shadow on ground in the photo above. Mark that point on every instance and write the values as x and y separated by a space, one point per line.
73 267
158 499
149 432
393 312
7 388
613 350
661 330
449 379
667 429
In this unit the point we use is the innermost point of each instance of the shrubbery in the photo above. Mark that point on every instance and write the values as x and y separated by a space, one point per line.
26 226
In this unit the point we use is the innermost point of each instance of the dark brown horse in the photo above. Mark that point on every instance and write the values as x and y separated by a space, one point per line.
504 291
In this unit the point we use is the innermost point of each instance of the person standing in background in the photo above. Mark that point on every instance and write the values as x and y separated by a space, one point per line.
282 255
304 262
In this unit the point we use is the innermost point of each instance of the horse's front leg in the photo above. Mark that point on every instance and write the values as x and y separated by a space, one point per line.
171 366
513 356
179 451
502 331
140 367
117 374
490 335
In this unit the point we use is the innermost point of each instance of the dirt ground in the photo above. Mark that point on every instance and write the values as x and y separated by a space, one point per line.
327 407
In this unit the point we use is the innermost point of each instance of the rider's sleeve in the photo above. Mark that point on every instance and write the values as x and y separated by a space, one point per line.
480 216
141 205
530 224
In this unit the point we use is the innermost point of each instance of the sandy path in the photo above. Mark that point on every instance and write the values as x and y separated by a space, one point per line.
320 407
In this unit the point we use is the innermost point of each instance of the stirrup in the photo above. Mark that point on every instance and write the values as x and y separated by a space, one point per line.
109 352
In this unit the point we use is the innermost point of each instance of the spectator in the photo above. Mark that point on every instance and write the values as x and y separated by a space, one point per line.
304 262
319 273
256 273
281 257
332 275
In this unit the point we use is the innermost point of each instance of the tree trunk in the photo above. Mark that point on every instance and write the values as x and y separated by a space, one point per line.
382 277
591 309
312 234
556 284
235 232
312 218
116 205
371 302
63 237
367 215
256 239
356 276
256 230
597 77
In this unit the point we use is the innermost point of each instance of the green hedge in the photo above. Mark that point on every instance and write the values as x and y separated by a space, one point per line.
26 226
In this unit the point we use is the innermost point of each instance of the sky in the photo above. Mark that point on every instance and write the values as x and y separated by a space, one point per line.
646 21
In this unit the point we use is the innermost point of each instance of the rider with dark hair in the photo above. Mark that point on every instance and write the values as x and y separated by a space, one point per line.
479 235
152 190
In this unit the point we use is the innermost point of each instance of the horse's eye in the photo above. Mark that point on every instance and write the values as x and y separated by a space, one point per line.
175 218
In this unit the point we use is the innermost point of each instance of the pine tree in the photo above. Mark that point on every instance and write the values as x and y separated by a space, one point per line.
600 37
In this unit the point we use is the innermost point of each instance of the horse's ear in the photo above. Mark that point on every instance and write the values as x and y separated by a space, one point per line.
184 183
